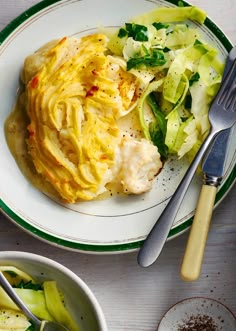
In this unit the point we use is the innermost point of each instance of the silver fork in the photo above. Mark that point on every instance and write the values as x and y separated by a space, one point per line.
222 116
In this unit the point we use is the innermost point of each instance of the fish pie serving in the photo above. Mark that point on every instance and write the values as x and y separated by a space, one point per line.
103 112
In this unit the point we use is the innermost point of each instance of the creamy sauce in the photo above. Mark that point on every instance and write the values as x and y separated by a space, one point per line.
16 136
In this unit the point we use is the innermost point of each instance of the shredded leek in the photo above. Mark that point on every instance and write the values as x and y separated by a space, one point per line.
176 14
140 107
185 70
56 306
34 300
12 320
44 300
15 275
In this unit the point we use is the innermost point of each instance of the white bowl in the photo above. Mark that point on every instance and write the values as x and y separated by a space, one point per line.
80 300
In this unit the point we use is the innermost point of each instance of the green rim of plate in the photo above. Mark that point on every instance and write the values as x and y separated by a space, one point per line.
4 34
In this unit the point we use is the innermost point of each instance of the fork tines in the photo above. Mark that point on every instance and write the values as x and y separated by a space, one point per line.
227 94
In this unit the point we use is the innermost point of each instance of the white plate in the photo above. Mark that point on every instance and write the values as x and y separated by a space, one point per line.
198 312
116 224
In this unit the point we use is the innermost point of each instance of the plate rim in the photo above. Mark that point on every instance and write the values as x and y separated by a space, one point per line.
107 248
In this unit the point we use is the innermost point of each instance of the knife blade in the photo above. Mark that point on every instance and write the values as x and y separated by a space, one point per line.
213 169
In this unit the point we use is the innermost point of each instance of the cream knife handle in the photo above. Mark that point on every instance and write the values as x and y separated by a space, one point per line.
194 252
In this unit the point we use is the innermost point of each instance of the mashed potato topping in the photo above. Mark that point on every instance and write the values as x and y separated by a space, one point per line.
75 96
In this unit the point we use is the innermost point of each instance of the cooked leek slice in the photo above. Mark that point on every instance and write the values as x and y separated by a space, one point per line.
173 118
173 125
46 304
34 300
15 275
13 320
56 306
173 85
140 107
182 36
178 14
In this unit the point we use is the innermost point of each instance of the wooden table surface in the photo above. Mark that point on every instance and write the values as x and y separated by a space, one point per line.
133 298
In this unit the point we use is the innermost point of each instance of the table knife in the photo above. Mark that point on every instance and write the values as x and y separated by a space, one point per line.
213 169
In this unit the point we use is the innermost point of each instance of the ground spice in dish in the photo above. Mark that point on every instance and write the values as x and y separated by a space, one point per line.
198 323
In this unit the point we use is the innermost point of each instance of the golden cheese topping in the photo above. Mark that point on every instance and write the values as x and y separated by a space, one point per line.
73 102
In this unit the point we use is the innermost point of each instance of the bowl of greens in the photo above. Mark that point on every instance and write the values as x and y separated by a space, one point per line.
50 291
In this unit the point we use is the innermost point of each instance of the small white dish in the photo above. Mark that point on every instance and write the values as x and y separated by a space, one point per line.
79 299
198 314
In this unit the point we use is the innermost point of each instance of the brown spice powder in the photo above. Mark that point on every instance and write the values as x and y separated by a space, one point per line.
198 323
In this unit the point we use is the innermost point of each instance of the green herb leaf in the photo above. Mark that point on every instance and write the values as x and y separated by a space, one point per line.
11 273
188 101
160 26
30 328
194 78
154 59
29 285
157 129
197 42
165 49
140 32
129 28
160 117
136 31
158 139
122 33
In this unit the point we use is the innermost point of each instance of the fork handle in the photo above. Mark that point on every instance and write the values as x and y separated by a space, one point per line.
156 239
194 252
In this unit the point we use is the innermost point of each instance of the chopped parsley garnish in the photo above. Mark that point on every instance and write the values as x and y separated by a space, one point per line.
160 26
197 42
153 59
30 328
29 285
165 49
188 101
157 129
11 273
194 78
122 33
136 31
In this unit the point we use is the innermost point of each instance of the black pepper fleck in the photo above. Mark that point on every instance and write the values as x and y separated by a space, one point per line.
198 323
